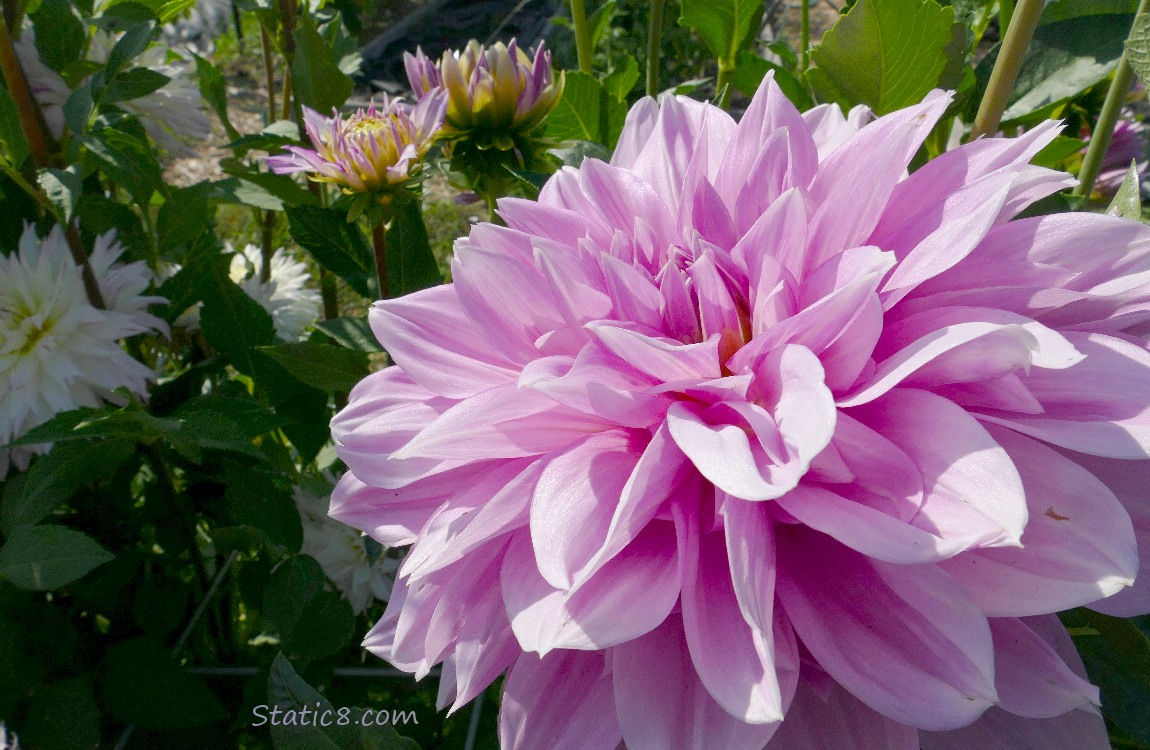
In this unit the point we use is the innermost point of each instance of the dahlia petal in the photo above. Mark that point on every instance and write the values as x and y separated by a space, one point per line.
432 339
1078 547
579 297
906 641
358 505
972 489
662 704
876 156
631 594
504 422
619 196
508 300
662 359
637 130
838 720
579 489
779 234
867 530
1087 407
562 702
659 473
1000 730
1032 680
597 383
734 662
484 649
724 455
634 294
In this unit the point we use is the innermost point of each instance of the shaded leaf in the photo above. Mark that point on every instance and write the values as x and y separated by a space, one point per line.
328 368
63 188
354 333
316 77
337 245
143 685
214 89
751 71
411 264
44 558
233 322
132 84
1127 201
1118 661
130 163
13 144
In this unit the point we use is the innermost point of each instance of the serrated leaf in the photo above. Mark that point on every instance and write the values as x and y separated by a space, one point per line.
1127 201
724 25
130 163
214 89
411 264
57 476
316 77
63 187
338 246
128 47
328 368
586 112
44 558
143 685
1063 60
1138 47
622 80
233 322
752 69
886 54
354 333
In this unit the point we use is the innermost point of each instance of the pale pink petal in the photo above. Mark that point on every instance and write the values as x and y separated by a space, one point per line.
1000 730
838 720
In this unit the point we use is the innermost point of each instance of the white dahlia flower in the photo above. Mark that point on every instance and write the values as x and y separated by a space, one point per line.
285 295
57 351
342 553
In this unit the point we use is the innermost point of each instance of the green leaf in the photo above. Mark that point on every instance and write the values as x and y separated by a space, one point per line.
338 246
1063 10
191 284
253 500
623 79
78 109
57 476
318 81
1063 60
132 84
186 215
60 33
130 423
288 692
63 187
354 333
44 558
1118 661
293 584
1138 47
586 112
130 163
304 408
1058 151
725 26
1127 201
411 265
328 368
130 46
751 71
282 187
143 685
325 626
228 419
600 21
886 54
233 322
214 89
73 698
13 144
572 153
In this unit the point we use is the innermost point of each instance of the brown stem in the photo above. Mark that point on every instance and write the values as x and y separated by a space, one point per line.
13 14
40 141
289 109
80 256
379 244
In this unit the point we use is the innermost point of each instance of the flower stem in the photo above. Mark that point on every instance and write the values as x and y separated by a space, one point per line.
1023 22
1107 118
269 73
805 35
654 43
582 34
724 82
379 245
27 109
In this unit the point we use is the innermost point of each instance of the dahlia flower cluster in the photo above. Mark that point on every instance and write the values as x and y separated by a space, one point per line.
173 115
58 352
494 93
374 150
749 438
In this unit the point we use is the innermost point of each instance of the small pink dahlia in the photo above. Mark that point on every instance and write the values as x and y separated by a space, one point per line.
750 439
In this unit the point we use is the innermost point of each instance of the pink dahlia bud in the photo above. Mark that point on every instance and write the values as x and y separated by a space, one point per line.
748 439
1128 144
373 150
498 89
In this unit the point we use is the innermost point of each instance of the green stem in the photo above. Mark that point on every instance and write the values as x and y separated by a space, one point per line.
1005 12
582 34
654 43
723 83
327 290
269 73
805 35
379 245
1107 118
14 14
267 238
1023 22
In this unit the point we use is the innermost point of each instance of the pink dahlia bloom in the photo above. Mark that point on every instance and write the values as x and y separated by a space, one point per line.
1127 145
371 150
739 441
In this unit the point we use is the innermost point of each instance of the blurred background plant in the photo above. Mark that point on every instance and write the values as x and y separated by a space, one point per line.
166 563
